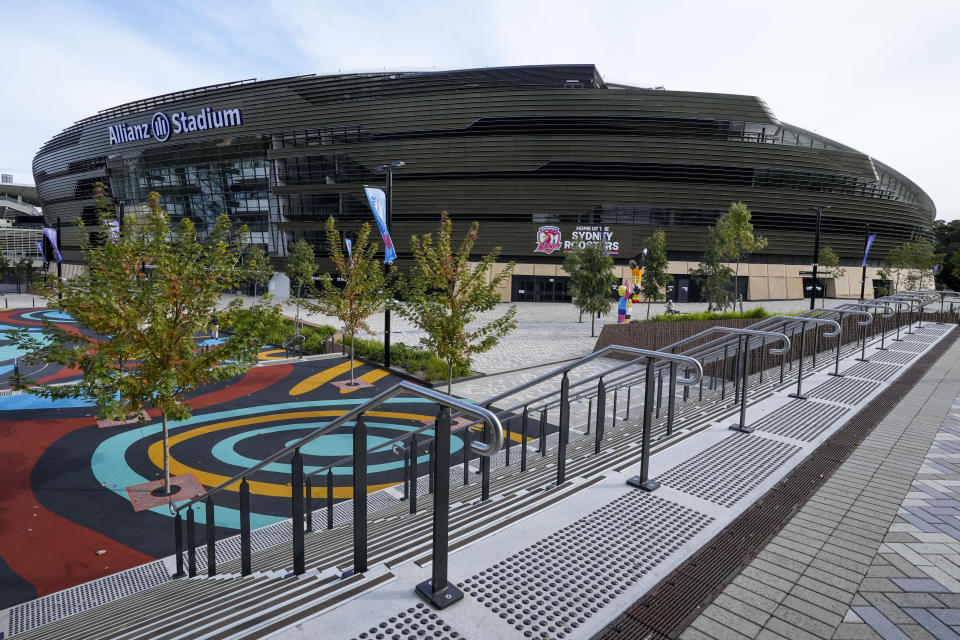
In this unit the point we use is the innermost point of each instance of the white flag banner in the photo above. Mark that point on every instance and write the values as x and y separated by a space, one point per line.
378 204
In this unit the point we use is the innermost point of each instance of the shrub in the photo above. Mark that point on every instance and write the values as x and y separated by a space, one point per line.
758 312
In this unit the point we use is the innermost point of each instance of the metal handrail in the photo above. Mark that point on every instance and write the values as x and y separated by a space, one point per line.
804 319
480 448
842 310
874 305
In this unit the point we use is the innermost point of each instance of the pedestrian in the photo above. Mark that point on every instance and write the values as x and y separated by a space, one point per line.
214 327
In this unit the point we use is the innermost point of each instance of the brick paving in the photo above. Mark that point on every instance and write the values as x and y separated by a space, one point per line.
875 553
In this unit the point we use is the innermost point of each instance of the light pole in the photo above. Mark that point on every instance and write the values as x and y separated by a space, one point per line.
388 167
816 255
863 272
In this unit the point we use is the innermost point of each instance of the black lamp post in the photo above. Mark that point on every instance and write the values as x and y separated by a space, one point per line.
863 272
389 167
816 255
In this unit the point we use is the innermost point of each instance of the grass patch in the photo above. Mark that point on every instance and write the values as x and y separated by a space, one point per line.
757 313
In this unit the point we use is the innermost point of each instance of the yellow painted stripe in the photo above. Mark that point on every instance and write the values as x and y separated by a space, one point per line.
369 377
155 452
516 437
325 376
268 355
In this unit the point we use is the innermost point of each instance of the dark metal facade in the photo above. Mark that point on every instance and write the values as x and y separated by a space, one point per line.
516 149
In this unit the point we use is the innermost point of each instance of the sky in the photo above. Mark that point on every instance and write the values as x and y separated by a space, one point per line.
880 76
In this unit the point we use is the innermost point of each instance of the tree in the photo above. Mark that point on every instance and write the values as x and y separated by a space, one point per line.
148 289
300 269
24 270
444 294
257 267
894 267
736 239
655 271
831 269
590 271
364 292
712 276
921 256
947 242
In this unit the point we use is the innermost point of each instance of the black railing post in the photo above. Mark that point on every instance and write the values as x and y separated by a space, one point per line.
191 543
432 467
643 481
330 499
296 515
564 429
406 472
359 497
763 358
616 393
659 391
308 502
735 372
438 590
626 414
816 343
590 410
672 397
836 360
467 437
414 485
543 432
799 394
523 441
484 470
686 387
883 332
745 378
506 442
601 415
863 345
246 565
723 374
210 527
178 543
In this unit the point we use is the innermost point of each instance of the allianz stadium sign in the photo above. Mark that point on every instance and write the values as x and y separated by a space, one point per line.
161 126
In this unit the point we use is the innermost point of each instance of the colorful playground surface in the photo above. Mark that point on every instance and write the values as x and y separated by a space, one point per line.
75 500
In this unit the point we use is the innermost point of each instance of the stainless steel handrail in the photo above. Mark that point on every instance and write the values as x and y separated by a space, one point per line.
875 305
804 319
842 310
480 448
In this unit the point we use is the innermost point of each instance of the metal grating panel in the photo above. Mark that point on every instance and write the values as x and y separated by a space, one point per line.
929 338
413 622
898 357
844 390
88 595
873 370
729 470
909 344
801 419
549 589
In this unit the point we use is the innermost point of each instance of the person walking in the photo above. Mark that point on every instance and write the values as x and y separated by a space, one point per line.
214 327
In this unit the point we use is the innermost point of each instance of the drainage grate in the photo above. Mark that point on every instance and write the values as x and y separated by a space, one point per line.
729 470
801 419
413 622
899 357
549 589
872 370
844 390
915 346
88 595
925 337
662 613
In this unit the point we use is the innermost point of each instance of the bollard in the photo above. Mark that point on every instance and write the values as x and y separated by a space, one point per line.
296 516
359 499
564 429
211 528
643 480
438 591
246 567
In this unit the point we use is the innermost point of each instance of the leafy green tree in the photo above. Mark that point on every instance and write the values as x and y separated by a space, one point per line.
712 275
257 267
921 256
947 243
445 293
591 277
301 268
25 272
736 239
830 262
655 271
365 290
148 290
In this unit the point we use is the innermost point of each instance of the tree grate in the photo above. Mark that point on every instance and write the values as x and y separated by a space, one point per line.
727 471
801 420
413 622
844 390
551 588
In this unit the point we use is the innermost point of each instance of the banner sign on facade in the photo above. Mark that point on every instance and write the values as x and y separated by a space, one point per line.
378 204
51 235
548 239
870 239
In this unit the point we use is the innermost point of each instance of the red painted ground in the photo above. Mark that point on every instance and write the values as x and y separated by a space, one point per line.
47 550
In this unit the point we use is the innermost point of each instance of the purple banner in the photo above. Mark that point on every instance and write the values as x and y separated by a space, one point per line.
40 249
51 235
870 239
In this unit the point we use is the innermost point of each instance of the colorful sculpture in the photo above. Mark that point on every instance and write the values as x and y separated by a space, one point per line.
636 272
622 315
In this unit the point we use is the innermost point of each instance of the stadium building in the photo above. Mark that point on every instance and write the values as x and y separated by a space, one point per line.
546 158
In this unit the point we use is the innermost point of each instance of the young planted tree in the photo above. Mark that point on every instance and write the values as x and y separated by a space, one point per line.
444 294
590 271
148 289
300 268
921 256
830 263
736 239
655 271
712 276
365 290
257 268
